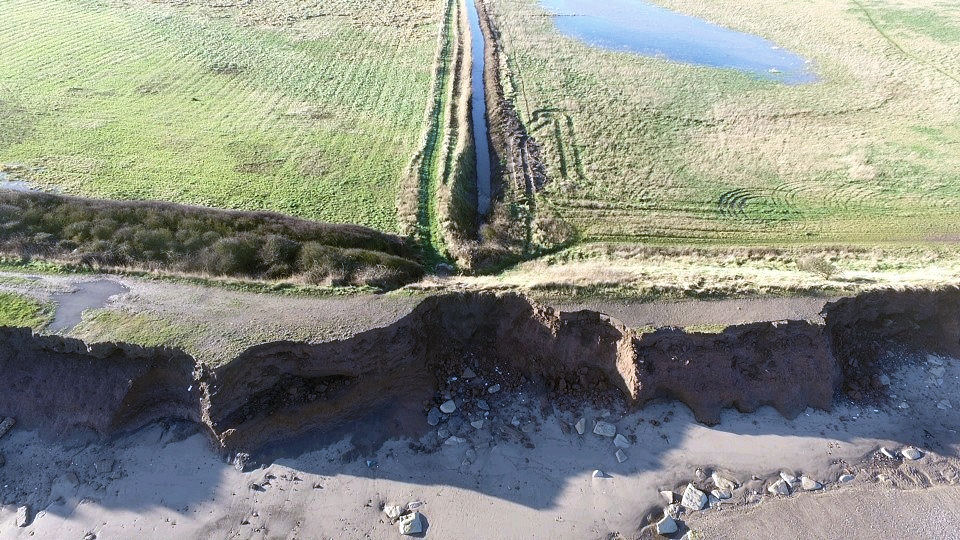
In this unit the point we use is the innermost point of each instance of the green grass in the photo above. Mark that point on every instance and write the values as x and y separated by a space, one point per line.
24 311
146 329
265 107
644 150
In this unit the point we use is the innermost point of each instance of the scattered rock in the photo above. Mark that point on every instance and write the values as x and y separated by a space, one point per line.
413 506
911 453
581 425
6 425
620 441
809 484
605 429
393 511
944 404
885 379
103 466
371 463
23 516
494 389
780 487
666 526
936 361
240 461
410 524
454 440
600 474
483 405
790 479
621 456
443 433
693 498
433 417
844 478
887 453
722 483
468 373
448 406
722 494
477 424
937 371
668 496
89 536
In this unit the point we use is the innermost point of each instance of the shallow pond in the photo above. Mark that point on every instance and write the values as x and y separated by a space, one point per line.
640 27
478 106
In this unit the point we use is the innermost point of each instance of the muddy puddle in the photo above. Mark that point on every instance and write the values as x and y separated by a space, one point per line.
86 295
641 27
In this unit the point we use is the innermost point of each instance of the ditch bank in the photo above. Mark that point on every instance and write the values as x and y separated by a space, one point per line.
279 391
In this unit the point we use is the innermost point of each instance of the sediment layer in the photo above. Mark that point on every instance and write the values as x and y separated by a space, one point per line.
278 391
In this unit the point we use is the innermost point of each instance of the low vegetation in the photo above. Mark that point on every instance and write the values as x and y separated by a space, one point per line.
21 310
174 238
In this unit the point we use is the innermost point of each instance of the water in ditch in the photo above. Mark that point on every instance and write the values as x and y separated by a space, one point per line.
641 27
478 106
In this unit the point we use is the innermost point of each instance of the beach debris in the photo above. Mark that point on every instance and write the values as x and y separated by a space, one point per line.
23 516
667 526
604 429
693 498
240 461
724 484
844 478
620 455
468 373
780 487
597 473
809 484
410 524
620 441
494 389
911 453
448 406
581 425
887 453
6 425
433 417
393 511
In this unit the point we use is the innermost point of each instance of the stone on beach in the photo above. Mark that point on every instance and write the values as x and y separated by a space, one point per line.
621 456
809 484
911 453
410 524
393 511
693 498
620 441
605 429
581 425
780 487
666 526
448 406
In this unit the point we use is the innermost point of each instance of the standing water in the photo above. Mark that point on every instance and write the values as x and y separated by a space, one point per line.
640 27
478 106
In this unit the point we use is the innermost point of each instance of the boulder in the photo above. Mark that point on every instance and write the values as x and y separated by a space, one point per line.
23 516
483 405
780 487
455 440
911 453
724 484
621 455
393 511
6 425
693 498
809 484
433 417
844 478
581 425
600 474
410 524
477 424
605 429
494 389
448 406
887 453
668 496
667 526
620 441
722 494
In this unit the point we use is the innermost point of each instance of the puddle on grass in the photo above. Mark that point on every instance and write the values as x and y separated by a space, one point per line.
640 27
7 182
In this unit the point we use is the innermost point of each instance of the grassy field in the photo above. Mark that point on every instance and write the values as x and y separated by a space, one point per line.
313 110
646 150
20 310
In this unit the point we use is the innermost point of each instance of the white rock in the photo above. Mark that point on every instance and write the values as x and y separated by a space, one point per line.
468 373
621 456
693 498
597 473
23 516
844 478
723 483
393 511
809 484
666 526
477 424
413 506
454 440
581 425
448 406
605 429
887 453
668 496
494 389
721 494
673 510
780 487
410 524
944 404
911 453
789 478
620 441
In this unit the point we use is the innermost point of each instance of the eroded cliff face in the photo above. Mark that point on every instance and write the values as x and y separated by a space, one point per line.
278 391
